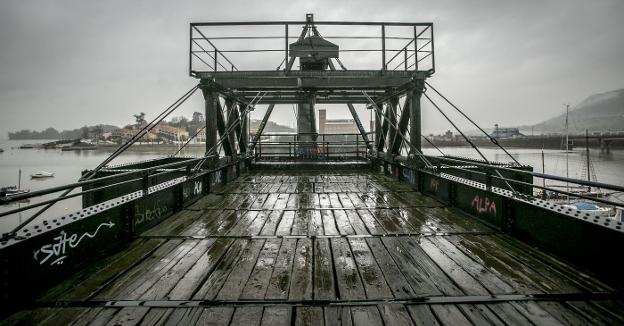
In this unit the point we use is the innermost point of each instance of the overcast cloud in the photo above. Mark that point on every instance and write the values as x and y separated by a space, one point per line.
70 63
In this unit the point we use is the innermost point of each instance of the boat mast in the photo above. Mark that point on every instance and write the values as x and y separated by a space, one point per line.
544 172
19 179
587 153
567 151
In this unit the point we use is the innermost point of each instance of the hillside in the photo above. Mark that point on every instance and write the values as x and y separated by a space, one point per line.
271 127
598 112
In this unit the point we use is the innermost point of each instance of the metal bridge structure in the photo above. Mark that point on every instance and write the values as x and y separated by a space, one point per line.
309 228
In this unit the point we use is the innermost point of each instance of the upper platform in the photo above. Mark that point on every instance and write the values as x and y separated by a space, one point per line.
259 56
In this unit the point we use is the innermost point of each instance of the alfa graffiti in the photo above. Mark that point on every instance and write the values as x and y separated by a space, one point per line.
58 249
149 214
483 205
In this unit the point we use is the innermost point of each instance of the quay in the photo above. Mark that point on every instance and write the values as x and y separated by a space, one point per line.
309 228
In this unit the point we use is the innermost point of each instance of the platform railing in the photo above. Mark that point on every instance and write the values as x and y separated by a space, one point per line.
310 147
395 46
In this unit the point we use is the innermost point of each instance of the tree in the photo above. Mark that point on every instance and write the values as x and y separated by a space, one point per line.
139 118
84 132
198 117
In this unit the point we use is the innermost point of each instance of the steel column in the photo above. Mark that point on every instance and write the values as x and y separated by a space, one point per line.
415 123
227 146
211 98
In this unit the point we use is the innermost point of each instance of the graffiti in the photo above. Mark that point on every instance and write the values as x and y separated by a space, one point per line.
217 177
409 175
62 243
434 184
195 190
149 214
483 205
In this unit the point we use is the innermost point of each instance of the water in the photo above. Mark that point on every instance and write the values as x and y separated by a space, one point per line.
67 167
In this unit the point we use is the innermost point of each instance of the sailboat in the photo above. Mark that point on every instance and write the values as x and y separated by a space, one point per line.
9 191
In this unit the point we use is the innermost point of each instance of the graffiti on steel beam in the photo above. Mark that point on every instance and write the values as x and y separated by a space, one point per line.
434 185
149 214
57 250
217 177
195 190
409 175
483 204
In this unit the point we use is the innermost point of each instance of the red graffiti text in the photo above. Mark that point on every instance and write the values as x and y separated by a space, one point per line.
483 205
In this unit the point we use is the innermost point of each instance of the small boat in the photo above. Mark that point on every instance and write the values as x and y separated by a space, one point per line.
10 191
41 175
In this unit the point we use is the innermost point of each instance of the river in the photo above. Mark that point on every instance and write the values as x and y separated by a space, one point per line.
68 165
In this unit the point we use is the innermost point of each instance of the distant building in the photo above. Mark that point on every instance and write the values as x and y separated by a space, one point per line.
502 133
336 126
160 131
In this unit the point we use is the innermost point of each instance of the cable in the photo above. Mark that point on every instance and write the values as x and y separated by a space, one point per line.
493 140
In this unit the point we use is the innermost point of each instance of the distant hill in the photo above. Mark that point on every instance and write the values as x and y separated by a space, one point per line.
51 133
271 127
598 112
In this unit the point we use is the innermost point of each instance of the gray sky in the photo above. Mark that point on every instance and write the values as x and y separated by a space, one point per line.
70 63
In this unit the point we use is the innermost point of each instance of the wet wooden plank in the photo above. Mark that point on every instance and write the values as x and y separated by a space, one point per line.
243 222
129 316
449 314
323 271
509 314
373 226
342 222
488 279
464 281
270 226
536 314
285 224
374 282
480 315
211 286
206 222
92 279
144 282
300 223
309 316
194 278
424 275
216 316
396 280
315 225
236 280
563 313
259 279
329 223
395 314
175 224
422 315
365 316
277 316
338 316
347 277
247 316
301 282
279 283
178 316
135 274
167 281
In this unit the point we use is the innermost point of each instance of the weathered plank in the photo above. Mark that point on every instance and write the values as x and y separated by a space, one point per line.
259 279
301 282
347 277
279 283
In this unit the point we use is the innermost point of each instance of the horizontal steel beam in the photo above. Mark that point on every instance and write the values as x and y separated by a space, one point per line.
298 22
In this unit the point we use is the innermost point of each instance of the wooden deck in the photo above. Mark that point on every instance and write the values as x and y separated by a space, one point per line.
326 248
